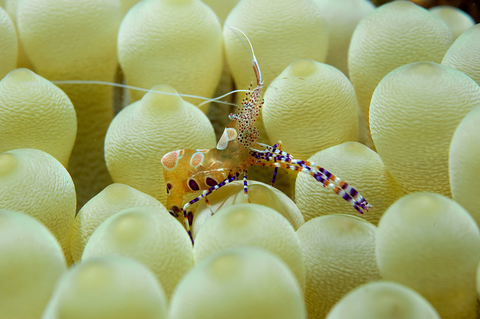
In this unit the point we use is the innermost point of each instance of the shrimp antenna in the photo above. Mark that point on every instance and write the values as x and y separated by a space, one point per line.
125 86
216 99
256 67
233 31
253 58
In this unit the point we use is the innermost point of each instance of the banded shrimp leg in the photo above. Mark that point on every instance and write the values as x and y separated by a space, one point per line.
270 156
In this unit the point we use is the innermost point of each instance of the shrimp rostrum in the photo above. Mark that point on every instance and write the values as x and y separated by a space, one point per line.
206 170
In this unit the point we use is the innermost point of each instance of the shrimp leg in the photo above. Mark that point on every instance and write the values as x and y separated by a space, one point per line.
203 195
327 179
279 146
245 186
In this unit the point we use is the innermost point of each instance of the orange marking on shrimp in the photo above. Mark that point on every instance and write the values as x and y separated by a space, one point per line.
170 160
196 159
231 134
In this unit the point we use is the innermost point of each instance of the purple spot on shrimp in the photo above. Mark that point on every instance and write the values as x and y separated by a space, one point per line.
210 181
193 185
319 178
174 211
190 218
357 208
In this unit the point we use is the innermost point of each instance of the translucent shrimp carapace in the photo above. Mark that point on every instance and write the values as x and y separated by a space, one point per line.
189 171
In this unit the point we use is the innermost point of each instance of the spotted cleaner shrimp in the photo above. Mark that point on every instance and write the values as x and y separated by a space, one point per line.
206 170
190 171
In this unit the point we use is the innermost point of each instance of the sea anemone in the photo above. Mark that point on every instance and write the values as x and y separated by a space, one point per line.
445 276
462 55
457 20
149 235
146 130
357 165
77 40
247 261
304 88
381 300
339 255
251 225
393 35
414 112
8 43
114 198
258 193
32 261
342 18
35 183
156 45
463 164
108 288
239 283
34 113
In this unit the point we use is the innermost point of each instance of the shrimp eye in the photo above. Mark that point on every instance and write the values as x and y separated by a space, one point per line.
169 187
192 183
210 181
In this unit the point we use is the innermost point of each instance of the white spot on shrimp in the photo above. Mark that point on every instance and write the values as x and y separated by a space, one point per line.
223 141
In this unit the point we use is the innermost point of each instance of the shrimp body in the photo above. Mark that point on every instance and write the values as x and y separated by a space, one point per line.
190 171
